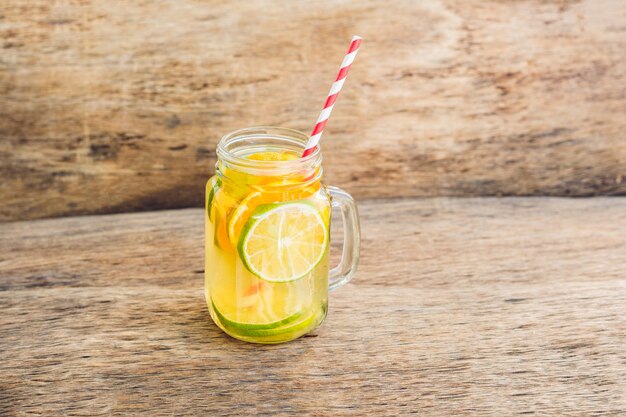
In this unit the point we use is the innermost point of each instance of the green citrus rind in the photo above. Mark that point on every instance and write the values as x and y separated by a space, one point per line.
255 326
287 325
215 183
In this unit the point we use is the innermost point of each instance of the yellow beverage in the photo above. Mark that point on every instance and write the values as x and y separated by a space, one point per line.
267 243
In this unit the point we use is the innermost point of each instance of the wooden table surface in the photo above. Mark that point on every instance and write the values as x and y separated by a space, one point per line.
460 307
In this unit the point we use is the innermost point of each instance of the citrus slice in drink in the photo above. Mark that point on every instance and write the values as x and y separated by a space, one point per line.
255 326
284 241
250 303
222 204
212 187
294 323
240 215
243 211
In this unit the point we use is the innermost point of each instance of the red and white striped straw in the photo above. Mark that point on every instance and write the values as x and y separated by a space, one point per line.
316 134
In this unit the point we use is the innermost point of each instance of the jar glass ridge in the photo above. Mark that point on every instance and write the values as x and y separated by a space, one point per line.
235 146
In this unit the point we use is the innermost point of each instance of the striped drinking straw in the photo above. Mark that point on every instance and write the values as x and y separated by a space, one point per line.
316 134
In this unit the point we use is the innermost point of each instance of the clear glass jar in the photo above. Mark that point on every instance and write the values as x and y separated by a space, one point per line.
268 236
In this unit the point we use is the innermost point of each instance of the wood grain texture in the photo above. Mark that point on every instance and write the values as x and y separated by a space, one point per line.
486 307
115 108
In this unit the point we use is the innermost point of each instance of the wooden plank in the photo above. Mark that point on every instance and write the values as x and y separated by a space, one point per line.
116 108
460 307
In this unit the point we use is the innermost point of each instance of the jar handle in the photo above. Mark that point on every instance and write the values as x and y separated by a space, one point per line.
344 272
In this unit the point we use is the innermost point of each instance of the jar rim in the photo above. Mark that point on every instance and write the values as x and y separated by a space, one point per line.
242 136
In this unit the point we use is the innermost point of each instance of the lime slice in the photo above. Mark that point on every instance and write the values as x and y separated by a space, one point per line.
284 241
212 188
255 326
289 324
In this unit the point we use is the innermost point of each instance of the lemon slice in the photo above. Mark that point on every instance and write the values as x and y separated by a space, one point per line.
240 215
222 204
246 207
283 242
